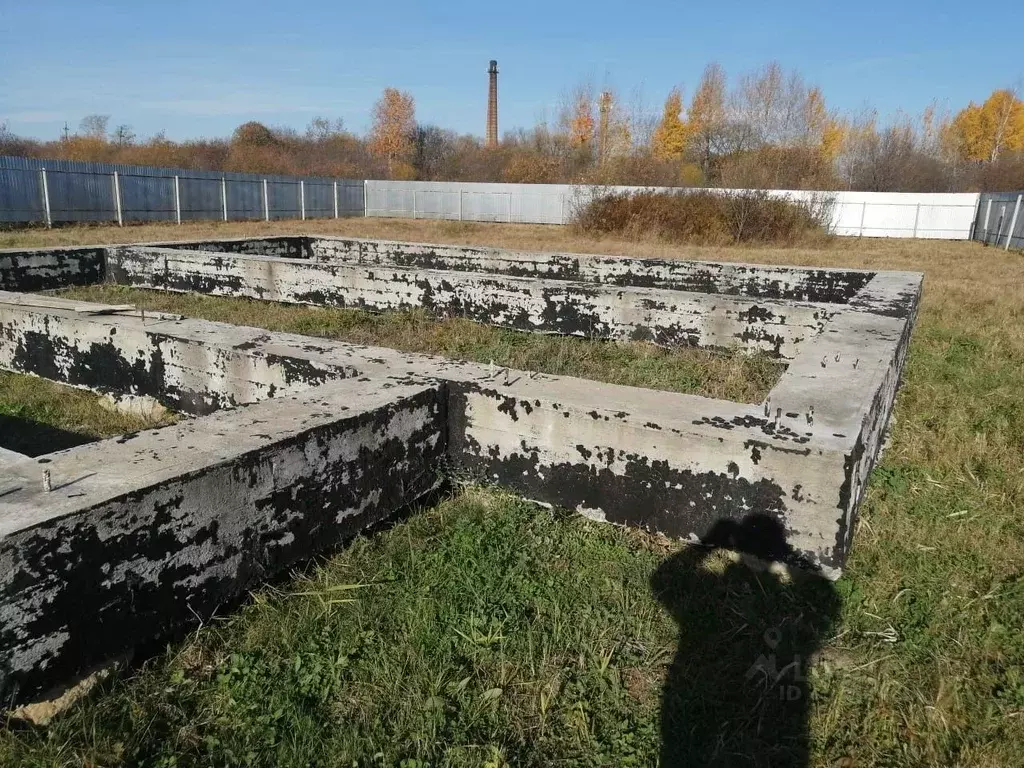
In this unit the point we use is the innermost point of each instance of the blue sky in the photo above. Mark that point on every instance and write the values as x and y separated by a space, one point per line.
198 69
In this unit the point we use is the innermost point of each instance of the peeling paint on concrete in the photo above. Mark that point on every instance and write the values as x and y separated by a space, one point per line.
303 441
593 310
49 268
191 515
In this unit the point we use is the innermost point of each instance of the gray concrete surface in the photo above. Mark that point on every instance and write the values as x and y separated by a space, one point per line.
143 533
618 312
335 435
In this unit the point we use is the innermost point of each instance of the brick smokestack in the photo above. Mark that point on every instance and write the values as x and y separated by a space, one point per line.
492 105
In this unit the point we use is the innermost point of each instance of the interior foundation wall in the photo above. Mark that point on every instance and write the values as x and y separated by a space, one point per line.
665 317
183 374
150 530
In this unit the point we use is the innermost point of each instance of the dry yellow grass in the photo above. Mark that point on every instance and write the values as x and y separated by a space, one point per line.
967 284
951 267
927 665
959 275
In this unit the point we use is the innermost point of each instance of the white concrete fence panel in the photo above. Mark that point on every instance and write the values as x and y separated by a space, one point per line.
947 216
55 191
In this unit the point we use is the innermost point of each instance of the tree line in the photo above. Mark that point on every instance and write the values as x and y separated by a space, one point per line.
766 129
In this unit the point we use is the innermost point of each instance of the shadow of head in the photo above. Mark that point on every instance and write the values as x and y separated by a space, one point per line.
758 535
737 691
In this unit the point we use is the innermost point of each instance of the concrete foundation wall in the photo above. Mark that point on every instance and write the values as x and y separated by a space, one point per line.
528 432
49 268
147 530
42 269
834 286
194 514
675 470
665 317
287 247
184 374
561 440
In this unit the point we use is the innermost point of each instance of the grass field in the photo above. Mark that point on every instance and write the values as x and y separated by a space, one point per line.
38 416
695 371
486 631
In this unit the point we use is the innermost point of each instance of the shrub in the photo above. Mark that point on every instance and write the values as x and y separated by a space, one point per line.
705 218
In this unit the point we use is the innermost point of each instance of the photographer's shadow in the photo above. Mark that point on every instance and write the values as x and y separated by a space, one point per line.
737 692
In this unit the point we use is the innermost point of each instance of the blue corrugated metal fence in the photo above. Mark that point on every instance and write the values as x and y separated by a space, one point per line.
999 219
58 191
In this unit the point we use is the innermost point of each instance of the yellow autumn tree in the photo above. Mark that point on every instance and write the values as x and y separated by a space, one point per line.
825 132
394 129
581 121
1003 117
983 132
670 136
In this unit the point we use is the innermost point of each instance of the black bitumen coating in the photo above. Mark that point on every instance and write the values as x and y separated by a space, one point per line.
102 616
291 522
30 271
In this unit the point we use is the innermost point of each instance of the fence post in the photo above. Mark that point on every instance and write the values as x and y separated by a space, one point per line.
562 209
974 220
863 215
917 215
365 213
1013 223
46 198
335 199
177 201
460 203
117 199
509 207
988 213
302 198
414 203
266 202
224 196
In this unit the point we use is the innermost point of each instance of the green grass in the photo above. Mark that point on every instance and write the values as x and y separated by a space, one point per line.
38 416
485 631
742 378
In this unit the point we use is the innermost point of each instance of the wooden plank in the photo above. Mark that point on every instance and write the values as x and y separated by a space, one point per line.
103 309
